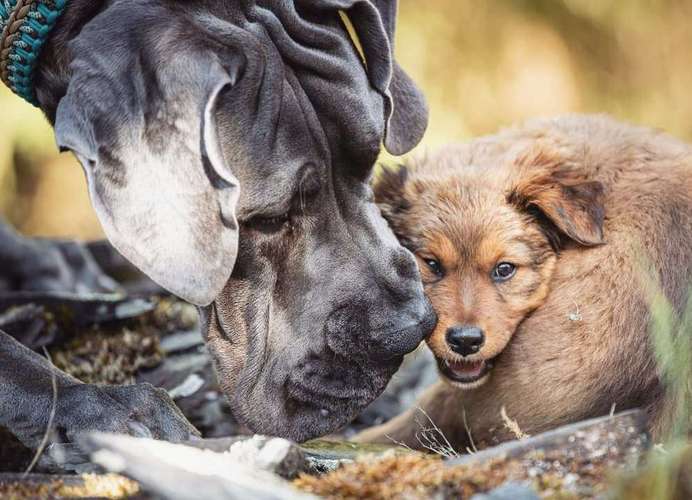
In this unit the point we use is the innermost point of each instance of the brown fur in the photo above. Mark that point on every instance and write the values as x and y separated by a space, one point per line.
583 206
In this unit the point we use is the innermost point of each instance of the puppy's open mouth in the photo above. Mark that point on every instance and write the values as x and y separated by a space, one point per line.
466 374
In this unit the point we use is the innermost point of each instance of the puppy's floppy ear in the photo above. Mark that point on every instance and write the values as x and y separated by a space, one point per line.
139 113
550 188
406 111
389 187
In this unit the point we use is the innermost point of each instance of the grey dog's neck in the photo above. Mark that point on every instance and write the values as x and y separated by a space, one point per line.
53 72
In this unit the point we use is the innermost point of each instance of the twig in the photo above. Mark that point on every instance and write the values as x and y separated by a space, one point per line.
51 417
398 443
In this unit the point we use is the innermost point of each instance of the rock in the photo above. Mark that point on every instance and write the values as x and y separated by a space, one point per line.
30 324
187 373
182 341
180 472
59 458
574 461
38 319
325 455
188 387
80 309
509 491
612 441
320 455
276 455
134 281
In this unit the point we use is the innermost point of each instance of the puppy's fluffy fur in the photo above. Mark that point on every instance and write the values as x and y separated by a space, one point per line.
596 217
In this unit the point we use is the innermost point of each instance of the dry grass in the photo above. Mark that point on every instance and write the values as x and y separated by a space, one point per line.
432 438
109 357
512 425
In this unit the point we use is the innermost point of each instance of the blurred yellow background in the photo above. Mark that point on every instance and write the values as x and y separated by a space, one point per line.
483 64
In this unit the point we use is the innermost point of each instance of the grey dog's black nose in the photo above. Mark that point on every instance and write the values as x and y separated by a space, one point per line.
465 340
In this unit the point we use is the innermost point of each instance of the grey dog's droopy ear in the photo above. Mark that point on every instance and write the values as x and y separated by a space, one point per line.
409 110
406 111
143 128
148 82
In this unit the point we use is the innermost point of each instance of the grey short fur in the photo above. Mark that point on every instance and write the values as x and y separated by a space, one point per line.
227 147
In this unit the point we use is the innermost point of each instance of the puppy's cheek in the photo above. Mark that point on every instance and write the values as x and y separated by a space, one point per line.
497 337
494 345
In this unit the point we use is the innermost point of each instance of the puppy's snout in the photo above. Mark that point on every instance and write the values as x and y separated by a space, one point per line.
465 340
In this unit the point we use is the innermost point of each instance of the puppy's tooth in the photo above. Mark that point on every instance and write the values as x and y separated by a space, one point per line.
447 363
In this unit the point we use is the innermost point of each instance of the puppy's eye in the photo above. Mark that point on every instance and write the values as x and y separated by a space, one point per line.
269 224
434 266
503 271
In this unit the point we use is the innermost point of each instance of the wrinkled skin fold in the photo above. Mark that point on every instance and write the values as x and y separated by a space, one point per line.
227 147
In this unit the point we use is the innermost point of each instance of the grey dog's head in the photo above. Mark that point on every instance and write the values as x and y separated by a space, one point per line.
227 148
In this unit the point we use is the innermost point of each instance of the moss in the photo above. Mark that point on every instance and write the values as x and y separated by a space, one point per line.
102 486
553 474
109 357
173 314
85 486
398 476
114 354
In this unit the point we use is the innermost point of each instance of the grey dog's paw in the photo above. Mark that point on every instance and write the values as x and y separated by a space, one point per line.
140 410
155 408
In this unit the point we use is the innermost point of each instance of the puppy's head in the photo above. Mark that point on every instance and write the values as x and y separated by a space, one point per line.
486 242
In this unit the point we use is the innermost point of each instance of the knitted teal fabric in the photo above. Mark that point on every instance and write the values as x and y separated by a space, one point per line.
25 26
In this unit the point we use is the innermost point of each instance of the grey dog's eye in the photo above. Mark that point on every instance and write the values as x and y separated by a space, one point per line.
503 271
269 224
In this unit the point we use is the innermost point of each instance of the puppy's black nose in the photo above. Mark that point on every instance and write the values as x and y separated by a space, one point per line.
465 340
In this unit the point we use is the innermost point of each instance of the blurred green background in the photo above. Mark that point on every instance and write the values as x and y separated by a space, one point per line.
483 64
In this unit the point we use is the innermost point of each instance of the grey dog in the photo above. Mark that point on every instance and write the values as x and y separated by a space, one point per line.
227 147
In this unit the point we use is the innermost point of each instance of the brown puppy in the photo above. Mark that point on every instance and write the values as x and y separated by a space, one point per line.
541 249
